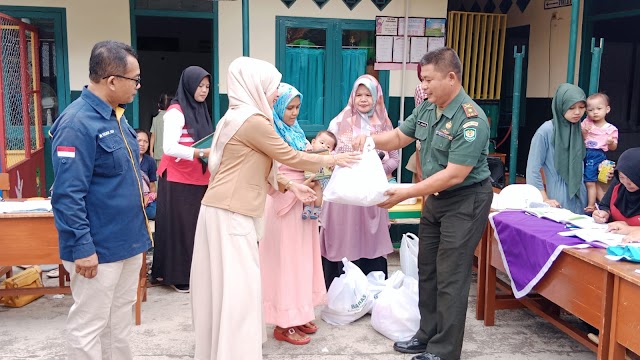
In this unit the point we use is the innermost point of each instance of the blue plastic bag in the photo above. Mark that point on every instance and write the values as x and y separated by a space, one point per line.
628 252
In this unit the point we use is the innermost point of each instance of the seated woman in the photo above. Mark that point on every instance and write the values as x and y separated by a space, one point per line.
148 172
558 148
622 201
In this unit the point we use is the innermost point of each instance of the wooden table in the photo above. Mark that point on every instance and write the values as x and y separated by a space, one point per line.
32 238
413 211
625 313
579 282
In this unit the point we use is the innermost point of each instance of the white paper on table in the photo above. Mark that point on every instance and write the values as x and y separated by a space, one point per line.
25 206
595 235
384 49
418 49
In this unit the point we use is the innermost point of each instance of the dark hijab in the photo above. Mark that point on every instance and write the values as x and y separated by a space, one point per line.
196 114
629 164
568 143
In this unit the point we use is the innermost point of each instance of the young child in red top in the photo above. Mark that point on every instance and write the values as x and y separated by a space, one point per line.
599 137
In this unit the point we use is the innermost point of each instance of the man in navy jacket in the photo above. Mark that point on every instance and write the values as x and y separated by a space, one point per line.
98 205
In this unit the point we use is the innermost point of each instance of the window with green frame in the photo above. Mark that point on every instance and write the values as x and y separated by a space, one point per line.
322 58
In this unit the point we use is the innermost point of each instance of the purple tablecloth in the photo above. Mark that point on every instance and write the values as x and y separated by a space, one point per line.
528 246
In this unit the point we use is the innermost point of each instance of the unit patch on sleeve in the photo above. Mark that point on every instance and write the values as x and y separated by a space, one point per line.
470 134
469 110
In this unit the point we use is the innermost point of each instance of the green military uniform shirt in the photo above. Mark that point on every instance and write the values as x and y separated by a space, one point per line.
460 136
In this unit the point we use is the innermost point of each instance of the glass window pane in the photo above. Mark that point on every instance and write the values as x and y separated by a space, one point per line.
179 5
305 69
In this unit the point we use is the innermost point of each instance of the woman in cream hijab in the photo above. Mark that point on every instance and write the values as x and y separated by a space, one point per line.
225 271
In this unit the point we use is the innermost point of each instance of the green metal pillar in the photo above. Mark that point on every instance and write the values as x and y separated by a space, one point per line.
245 27
515 113
573 36
596 58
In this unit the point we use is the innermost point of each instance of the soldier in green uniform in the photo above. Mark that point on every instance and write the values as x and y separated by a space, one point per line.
454 133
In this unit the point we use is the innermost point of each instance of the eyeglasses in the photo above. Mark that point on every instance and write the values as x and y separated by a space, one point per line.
124 77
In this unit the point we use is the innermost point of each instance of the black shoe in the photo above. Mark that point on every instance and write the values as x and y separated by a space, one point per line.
426 356
412 346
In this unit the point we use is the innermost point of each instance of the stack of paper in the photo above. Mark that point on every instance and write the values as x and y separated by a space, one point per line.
25 206
595 235
565 216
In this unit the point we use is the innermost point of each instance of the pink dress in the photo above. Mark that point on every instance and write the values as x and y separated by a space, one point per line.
290 262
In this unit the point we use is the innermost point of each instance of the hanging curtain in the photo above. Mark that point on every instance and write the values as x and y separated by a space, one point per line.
354 64
305 71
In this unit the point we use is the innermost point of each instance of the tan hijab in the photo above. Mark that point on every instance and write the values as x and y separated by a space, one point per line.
248 81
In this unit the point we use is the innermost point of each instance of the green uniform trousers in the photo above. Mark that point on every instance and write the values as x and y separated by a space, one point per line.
450 228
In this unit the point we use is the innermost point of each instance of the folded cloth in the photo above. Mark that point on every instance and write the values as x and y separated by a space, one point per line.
529 246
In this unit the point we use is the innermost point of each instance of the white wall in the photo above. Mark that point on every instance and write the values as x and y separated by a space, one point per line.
88 21
262 28
548 45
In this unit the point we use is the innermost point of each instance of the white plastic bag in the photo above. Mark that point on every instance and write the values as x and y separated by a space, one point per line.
348 296
377 282
395 312
363 184
409 255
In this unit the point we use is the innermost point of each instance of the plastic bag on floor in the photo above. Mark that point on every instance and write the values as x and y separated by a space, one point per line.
348 296
395 312
363 184
377 283
409 255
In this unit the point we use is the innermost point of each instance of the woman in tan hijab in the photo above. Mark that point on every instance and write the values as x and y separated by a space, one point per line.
225 271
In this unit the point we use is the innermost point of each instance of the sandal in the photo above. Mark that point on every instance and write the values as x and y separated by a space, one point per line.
285 335
308 328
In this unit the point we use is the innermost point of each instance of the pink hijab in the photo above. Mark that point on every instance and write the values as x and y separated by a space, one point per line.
348 123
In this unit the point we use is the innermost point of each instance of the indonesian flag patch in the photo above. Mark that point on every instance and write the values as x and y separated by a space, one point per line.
66 151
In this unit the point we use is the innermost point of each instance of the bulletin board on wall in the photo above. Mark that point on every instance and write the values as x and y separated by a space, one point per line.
423 35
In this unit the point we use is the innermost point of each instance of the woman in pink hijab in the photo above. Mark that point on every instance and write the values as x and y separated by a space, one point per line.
361 234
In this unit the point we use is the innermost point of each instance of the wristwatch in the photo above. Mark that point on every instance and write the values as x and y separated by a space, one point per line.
201 153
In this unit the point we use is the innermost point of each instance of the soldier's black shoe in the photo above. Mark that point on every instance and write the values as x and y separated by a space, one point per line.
412 346
426 356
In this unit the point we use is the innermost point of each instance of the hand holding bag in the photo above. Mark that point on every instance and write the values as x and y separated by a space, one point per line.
363 184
